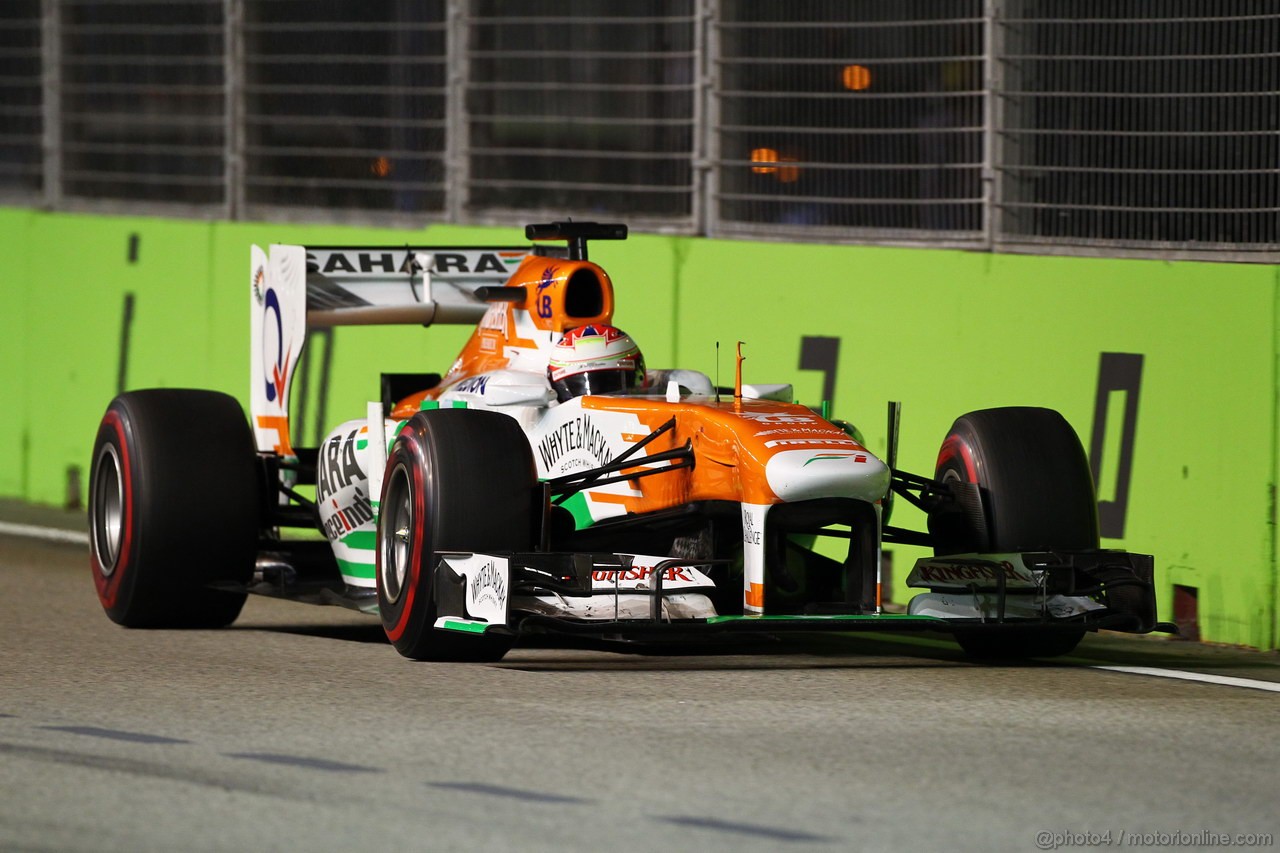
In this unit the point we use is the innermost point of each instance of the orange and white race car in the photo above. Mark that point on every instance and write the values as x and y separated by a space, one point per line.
552 482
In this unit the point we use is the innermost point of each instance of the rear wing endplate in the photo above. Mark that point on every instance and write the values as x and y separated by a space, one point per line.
297 288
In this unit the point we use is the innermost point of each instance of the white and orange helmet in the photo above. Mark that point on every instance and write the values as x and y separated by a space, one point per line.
595 359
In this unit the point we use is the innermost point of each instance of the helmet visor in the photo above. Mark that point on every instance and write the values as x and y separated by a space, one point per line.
594 382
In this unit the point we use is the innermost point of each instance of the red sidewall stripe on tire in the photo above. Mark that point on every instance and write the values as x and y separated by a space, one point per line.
109 587
410 584
954 447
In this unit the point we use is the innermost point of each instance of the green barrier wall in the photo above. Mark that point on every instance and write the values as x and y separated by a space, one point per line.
1173 365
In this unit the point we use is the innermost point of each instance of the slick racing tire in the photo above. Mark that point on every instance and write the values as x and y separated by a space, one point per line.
1037 494
174 507
456 480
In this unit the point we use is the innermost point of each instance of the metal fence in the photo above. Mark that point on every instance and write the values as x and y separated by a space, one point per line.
138 101
1140 123
344 105
586 106
22 172
1111 126
851 118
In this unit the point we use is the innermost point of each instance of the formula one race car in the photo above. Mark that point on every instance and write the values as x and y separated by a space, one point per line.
550 482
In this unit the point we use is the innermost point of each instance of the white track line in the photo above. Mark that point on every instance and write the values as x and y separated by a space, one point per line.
1228 680
48 534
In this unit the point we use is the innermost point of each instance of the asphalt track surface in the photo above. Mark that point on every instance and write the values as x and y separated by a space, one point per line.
299 728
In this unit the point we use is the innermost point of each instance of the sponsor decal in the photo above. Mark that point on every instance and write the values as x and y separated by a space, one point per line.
803 430
488 586
672 574
542 299
577 434
344 519
474 385
278 425
259 276
777 418
791 442
959 571
457 262
488 344
349 262
750 532
824 457
273 363
471 263
339 465
495 318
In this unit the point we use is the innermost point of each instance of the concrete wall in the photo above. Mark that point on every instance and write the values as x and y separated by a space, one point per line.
1188 473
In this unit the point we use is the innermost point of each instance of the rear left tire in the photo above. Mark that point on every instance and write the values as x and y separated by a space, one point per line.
174 508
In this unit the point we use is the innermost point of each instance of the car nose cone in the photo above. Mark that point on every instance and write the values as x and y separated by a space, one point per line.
797 475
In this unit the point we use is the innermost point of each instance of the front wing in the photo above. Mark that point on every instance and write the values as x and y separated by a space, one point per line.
648 597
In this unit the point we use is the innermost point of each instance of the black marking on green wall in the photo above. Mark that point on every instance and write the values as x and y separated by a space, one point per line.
821 353
1117 371
126 328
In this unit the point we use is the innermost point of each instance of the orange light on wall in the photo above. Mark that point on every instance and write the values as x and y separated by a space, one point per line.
856 77
380 167
788 174
764 155
769 162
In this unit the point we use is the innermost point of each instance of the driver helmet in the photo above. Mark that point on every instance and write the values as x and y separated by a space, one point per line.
595 359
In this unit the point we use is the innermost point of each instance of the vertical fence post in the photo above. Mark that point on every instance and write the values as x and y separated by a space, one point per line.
51 100
233 110
707 160
456 137
992 123
701 164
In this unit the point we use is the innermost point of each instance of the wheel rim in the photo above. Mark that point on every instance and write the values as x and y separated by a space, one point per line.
397 537
107 518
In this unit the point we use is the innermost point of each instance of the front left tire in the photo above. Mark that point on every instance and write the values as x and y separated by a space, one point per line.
456 480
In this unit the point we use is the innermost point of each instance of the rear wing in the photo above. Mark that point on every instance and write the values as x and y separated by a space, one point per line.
298 288
389 285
